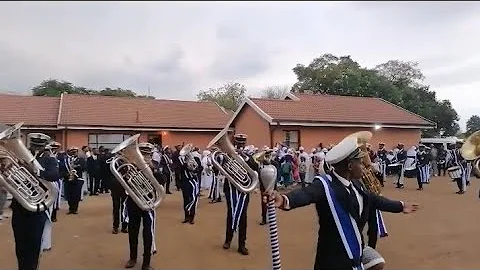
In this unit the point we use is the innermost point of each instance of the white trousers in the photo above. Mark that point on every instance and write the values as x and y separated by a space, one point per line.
47 231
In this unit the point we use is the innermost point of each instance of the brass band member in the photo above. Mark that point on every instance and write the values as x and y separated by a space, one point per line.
382 162
118 200
166 164
189 182
401 156
237 207
134 216
28 226
50 154
54 148
72 181
344 206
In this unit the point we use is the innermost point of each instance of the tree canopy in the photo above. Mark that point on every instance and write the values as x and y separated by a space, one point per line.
396 81
54 88
229 96
473 125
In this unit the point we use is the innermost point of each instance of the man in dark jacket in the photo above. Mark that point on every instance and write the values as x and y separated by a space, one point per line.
344 205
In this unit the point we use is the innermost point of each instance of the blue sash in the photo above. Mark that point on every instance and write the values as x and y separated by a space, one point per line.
237 205
346 226
381 228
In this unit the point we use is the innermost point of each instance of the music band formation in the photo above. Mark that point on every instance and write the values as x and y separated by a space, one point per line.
345 187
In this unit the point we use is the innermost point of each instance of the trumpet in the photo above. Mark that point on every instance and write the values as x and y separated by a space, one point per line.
233 167
134 174
471 151
18 173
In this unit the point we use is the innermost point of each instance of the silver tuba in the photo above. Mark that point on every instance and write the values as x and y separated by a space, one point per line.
186 152
471 151
19 175
134 174
235 169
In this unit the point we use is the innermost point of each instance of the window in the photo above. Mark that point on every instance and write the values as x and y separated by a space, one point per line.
292 138
108 141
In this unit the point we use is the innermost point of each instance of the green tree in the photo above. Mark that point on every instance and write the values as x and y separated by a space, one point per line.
396 81
54 88
275 92
229 96
473 125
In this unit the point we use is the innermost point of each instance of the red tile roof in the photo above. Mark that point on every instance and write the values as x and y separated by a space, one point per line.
338 109
106 111
32 110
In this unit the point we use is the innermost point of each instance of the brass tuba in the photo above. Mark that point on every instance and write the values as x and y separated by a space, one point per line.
19 173
134 174
471 151
369 178
186 152
234 168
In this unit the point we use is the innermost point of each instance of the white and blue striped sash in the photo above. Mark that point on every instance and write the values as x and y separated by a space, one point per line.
346 225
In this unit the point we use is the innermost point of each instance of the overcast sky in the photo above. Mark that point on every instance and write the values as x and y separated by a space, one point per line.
177 49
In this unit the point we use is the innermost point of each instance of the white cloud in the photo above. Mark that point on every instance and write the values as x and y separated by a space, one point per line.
177 49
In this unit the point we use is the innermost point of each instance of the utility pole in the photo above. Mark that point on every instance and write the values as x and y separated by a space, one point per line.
149 90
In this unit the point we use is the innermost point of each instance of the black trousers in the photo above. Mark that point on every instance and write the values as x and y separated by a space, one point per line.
117 203
419 178
242 225
187 193
441 168
459 184
167 179
263 204
27 231
73 194
135 217
178 179
94 184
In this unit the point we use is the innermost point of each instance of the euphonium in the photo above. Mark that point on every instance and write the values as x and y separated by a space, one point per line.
134 174
471 151
19 171
369 178
186 151
233 167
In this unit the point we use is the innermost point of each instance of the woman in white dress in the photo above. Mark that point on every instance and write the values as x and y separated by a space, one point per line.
207 173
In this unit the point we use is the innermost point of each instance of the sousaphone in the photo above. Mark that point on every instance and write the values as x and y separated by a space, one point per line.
471 151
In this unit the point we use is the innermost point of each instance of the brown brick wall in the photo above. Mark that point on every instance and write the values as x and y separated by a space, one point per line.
258 131
79 138
250 123
310 137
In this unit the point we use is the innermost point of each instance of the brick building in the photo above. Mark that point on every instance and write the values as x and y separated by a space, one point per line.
77 120
308 120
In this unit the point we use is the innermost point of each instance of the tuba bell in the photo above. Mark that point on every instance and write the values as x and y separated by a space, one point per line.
369 178
19 170
471 151
134 174
186 152
234 168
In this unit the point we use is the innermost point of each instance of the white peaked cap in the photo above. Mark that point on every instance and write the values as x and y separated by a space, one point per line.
347 148
301 148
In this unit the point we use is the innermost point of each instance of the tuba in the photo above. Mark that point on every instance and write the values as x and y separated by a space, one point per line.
186 152
471 151
234 168
134 174
369 178
19 175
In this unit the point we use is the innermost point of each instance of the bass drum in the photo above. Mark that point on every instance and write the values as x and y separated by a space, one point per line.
410 172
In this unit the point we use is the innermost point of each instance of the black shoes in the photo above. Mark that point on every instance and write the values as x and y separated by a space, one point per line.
242 249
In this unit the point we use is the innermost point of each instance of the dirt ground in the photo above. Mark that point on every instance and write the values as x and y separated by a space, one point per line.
444 234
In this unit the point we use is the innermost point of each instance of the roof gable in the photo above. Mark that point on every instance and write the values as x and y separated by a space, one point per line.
34 111
106 111
329 109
